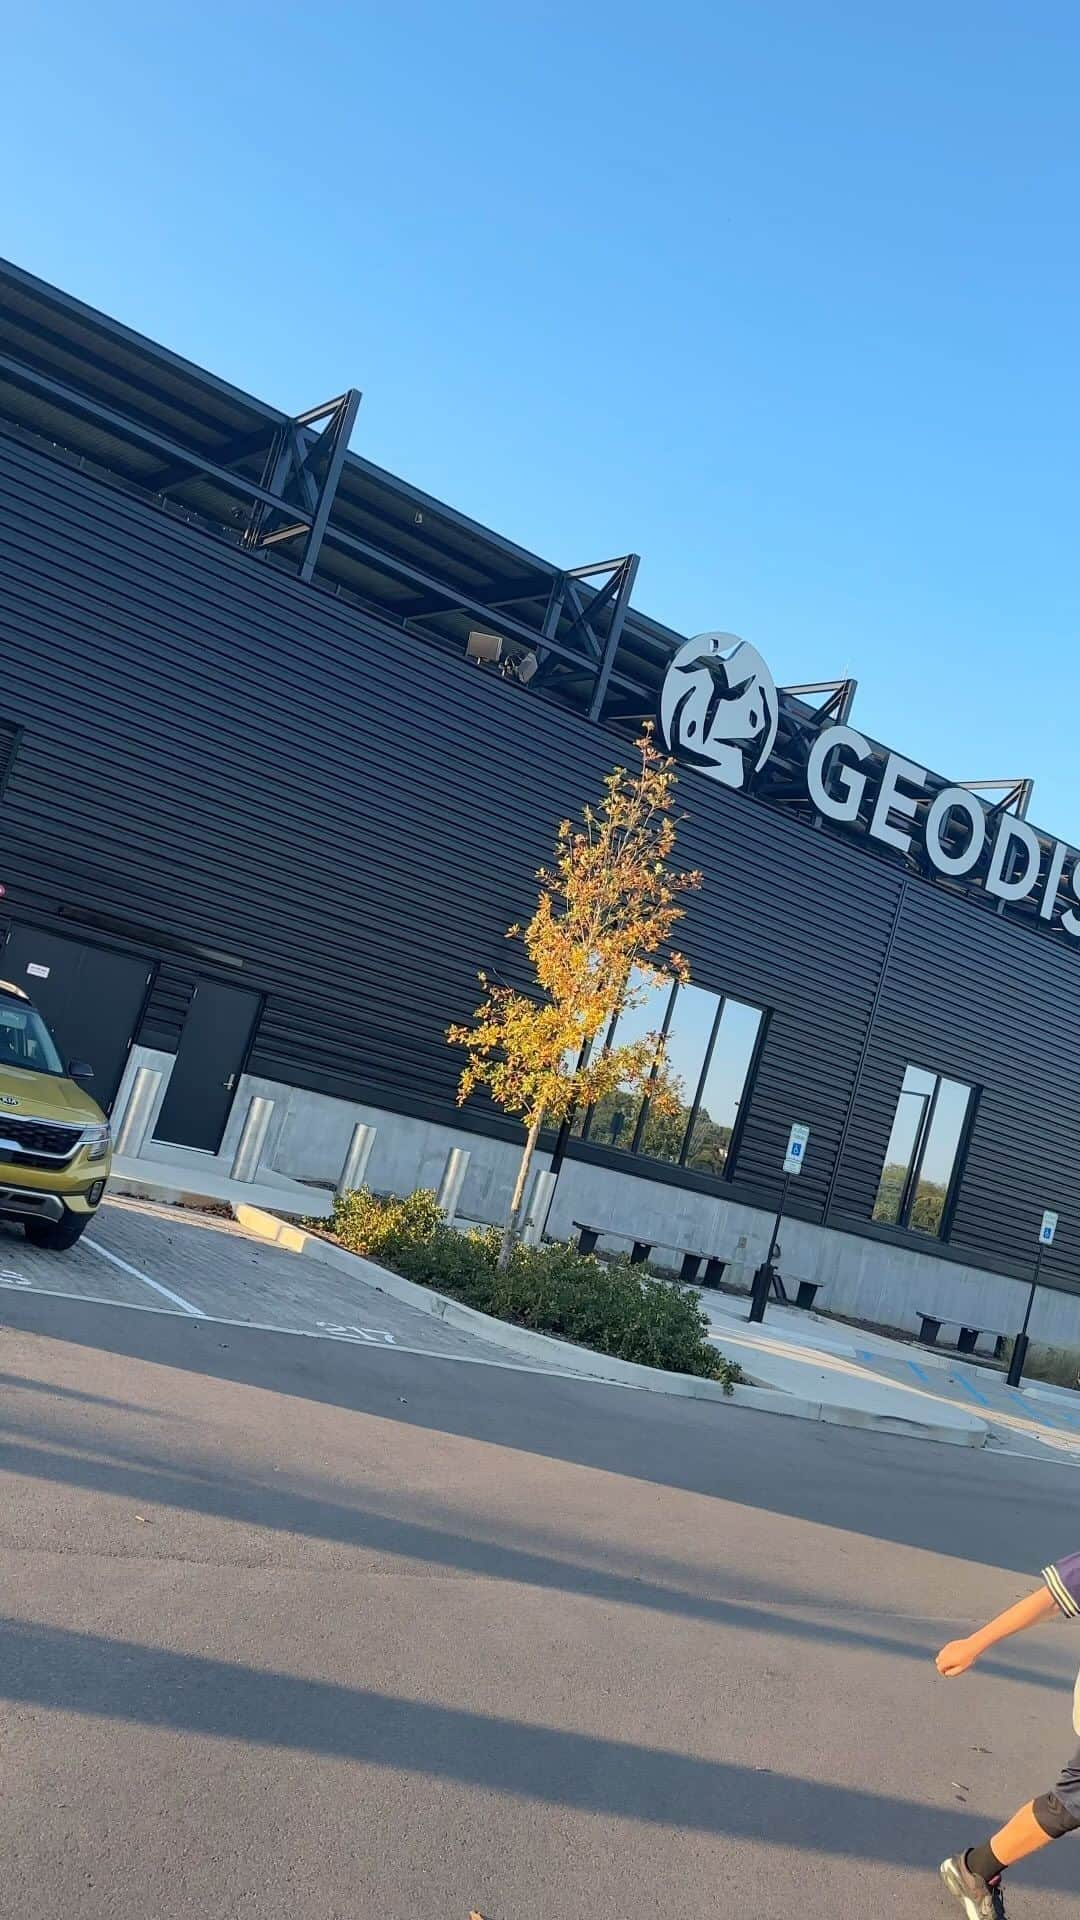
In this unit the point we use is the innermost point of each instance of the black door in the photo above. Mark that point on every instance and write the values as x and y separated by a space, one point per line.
213 1048
91 997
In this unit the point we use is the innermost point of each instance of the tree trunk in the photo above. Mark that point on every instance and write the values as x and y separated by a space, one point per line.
518 1200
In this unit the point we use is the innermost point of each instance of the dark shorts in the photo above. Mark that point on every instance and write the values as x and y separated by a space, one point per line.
1067 1794
1058 1812
1067 1788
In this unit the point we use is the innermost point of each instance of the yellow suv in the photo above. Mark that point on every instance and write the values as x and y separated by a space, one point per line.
55 1144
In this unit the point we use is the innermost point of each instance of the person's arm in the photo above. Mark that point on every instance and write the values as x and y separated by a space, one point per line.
1059 1594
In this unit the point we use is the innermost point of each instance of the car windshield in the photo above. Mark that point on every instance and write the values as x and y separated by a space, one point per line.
25 1040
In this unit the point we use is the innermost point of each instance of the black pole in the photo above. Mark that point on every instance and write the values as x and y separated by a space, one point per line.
561 1140
763 1277
1020 1348
1031 1295
557 1158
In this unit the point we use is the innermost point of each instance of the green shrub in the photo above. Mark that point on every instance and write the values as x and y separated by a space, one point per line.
384 1228
610 1306
461 1264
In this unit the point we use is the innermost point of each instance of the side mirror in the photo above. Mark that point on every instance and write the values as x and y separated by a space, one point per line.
80 1070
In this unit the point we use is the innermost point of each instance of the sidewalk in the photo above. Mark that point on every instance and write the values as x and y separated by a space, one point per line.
187 1178
810 1356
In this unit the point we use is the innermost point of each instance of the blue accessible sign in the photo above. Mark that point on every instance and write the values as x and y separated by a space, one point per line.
796 1149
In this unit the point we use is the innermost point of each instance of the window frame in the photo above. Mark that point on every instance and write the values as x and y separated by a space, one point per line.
909 1190
634 1149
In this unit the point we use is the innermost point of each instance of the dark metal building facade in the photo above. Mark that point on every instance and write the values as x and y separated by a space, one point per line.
242 753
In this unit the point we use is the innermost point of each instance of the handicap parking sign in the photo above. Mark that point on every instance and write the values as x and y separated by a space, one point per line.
796 1148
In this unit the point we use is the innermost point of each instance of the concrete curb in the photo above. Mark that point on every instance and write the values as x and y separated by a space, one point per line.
595 1366
1044 1390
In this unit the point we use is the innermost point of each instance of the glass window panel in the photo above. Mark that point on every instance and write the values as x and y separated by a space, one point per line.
920 1161
939 1156
687 1044
917 1080
725 1087
25 1040
911 1107
614 1119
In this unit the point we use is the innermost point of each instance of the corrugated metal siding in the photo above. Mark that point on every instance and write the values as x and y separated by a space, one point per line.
359 818
215 752
982 1000
170 998
787 919
9 744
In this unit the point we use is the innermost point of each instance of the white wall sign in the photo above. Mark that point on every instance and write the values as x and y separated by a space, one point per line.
1015 864
1048 1229
37 971
719 711
796 1149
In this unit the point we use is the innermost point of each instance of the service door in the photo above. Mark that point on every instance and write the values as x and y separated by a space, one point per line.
91 997
210 1060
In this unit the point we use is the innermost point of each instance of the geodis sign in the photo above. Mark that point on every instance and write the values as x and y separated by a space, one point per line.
719 712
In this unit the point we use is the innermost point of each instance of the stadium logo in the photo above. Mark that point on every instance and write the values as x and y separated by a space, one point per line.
718 707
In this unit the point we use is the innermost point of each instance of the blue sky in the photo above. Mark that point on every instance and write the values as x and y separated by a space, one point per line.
781 295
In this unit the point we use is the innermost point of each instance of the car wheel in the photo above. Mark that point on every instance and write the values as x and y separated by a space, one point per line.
57 1235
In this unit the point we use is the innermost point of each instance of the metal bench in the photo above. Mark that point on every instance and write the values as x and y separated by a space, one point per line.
930 1325
692 1259
806 1292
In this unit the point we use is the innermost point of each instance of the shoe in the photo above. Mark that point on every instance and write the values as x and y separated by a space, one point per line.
979 1899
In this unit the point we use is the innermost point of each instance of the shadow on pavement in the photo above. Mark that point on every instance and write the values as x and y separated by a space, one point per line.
893 1491
75 1394
906 1491
123 1681
36 1451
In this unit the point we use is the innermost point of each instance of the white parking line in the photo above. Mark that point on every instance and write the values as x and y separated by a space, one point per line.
317 1333
1040 1459
371 1335
137 1274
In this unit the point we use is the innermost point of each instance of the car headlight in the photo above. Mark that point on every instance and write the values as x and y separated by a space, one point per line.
97 1141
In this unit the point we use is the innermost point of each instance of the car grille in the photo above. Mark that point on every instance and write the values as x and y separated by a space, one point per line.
39 1137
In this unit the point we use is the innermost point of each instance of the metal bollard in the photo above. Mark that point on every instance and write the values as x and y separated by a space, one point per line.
538 1207
132 1131
252 1140
457 1166
354 1170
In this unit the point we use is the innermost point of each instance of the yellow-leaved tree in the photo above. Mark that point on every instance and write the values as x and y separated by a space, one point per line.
599 939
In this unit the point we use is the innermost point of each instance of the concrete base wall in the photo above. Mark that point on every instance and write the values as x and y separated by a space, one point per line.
867 1279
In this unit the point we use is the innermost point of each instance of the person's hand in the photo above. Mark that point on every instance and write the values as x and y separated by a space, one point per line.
956 1658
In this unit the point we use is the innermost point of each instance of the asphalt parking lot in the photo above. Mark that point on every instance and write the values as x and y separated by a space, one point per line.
201 1264
140 1254
296 1630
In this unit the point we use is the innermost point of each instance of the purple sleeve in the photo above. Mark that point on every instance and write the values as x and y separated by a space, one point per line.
1063 1580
